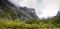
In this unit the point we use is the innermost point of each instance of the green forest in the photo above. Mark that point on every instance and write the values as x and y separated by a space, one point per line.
50 23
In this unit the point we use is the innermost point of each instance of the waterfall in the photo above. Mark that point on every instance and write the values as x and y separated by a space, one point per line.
43 8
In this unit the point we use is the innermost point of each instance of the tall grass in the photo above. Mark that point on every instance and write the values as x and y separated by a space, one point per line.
9 24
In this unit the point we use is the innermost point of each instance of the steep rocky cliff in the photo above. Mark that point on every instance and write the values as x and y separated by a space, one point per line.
58 14
10 11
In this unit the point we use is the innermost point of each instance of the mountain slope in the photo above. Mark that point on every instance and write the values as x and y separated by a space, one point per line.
10 11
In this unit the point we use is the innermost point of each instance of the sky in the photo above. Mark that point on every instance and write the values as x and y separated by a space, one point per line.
43 8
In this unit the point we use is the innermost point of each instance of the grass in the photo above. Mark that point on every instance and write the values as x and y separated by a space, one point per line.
50 23
9 24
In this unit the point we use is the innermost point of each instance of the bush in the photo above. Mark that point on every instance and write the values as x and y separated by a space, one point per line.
7 24
30 24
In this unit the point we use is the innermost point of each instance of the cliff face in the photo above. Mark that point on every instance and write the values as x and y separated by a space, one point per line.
58 14
10 11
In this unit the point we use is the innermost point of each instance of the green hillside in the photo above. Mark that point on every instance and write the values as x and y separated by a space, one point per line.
51 23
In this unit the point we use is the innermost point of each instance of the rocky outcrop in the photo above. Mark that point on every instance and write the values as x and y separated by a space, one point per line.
58 14
10 11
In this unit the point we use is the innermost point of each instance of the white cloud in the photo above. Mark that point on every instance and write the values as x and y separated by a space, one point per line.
43 9
17 2
29 3
50 8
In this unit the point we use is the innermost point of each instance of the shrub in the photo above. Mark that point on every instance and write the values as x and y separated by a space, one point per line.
8 24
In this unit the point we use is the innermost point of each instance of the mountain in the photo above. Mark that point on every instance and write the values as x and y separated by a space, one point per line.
10 11
58 14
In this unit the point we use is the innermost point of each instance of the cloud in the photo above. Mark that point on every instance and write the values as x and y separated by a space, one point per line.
16 2
43 8
49 8
29 3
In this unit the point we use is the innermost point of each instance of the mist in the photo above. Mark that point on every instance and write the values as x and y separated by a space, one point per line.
43 8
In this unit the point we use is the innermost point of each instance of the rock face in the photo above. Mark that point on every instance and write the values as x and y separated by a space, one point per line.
11 11
58 14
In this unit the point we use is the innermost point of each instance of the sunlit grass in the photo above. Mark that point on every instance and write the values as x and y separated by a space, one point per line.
9 24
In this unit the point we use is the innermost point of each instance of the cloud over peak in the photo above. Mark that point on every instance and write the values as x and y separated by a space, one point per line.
43 8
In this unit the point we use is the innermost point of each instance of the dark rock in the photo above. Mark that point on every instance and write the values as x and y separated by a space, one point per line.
58 14
22 13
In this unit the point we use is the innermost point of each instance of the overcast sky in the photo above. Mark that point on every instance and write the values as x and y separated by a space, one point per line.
43 8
